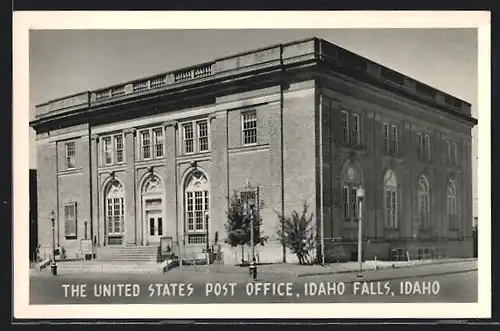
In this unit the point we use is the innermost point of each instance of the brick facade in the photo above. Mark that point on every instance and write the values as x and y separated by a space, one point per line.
299 156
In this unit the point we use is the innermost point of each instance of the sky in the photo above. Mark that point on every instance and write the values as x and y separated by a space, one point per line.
65 62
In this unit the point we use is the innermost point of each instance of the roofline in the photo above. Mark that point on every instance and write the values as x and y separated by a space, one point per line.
316 49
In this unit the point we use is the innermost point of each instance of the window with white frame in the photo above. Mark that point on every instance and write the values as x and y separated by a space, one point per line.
390 200
394 139
356 135
113 149
202 135
119 148
427 147
249 127
196 202
70 222
188 133
350 185
451 206
115 211
424 202
387 139
391 138
448 148
420 147
158 142
195 136
354 203
344 120
108 150
145 137
151 143
70 155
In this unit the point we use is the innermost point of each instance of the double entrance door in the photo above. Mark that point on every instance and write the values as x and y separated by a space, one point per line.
155 228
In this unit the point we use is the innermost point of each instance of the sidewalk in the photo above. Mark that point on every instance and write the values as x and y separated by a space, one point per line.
218 272
295 270
352 267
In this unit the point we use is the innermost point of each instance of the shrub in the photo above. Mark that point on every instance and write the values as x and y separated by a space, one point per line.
298 233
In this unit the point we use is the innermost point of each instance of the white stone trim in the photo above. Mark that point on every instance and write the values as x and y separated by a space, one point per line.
64 136
183 114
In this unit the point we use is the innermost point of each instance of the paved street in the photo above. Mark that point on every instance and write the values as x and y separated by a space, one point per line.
453 282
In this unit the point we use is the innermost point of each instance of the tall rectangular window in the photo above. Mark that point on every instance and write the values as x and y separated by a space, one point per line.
188 138
395 140
249 126
115 215
387 146
119 148
452 212
420 148
70 155
158 141
344 119
356 136
190 211
448 148
113 149
198 209
390 208
108 150
346 203
203 135
146 144
454 153
427 147
70 220
354 203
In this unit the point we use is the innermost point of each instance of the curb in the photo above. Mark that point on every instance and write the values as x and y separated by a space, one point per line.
381 268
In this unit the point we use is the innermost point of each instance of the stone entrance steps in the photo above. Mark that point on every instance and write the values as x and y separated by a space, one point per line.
128 253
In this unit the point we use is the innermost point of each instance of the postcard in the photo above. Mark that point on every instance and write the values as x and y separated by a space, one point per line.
252 165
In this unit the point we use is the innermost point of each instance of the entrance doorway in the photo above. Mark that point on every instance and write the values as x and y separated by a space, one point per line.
153 216
155 225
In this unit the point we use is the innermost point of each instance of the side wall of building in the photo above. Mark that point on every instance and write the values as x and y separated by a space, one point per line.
59 186
376 108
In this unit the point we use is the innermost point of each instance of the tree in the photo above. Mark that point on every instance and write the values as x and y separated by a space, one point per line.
298 233
238 224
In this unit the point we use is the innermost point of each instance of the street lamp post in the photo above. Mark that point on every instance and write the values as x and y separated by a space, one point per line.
53 265
253 267
361 195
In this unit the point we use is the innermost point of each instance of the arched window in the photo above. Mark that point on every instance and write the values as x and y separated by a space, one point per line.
423 203
451 205
351 181
114 212
196 200
391 199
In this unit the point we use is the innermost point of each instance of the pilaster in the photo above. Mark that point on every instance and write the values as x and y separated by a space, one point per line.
95 192
130 187
218 175
170 179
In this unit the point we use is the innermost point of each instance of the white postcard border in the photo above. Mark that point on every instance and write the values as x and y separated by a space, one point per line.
24 21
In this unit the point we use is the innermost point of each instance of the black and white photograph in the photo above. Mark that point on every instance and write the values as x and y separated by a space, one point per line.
337 167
